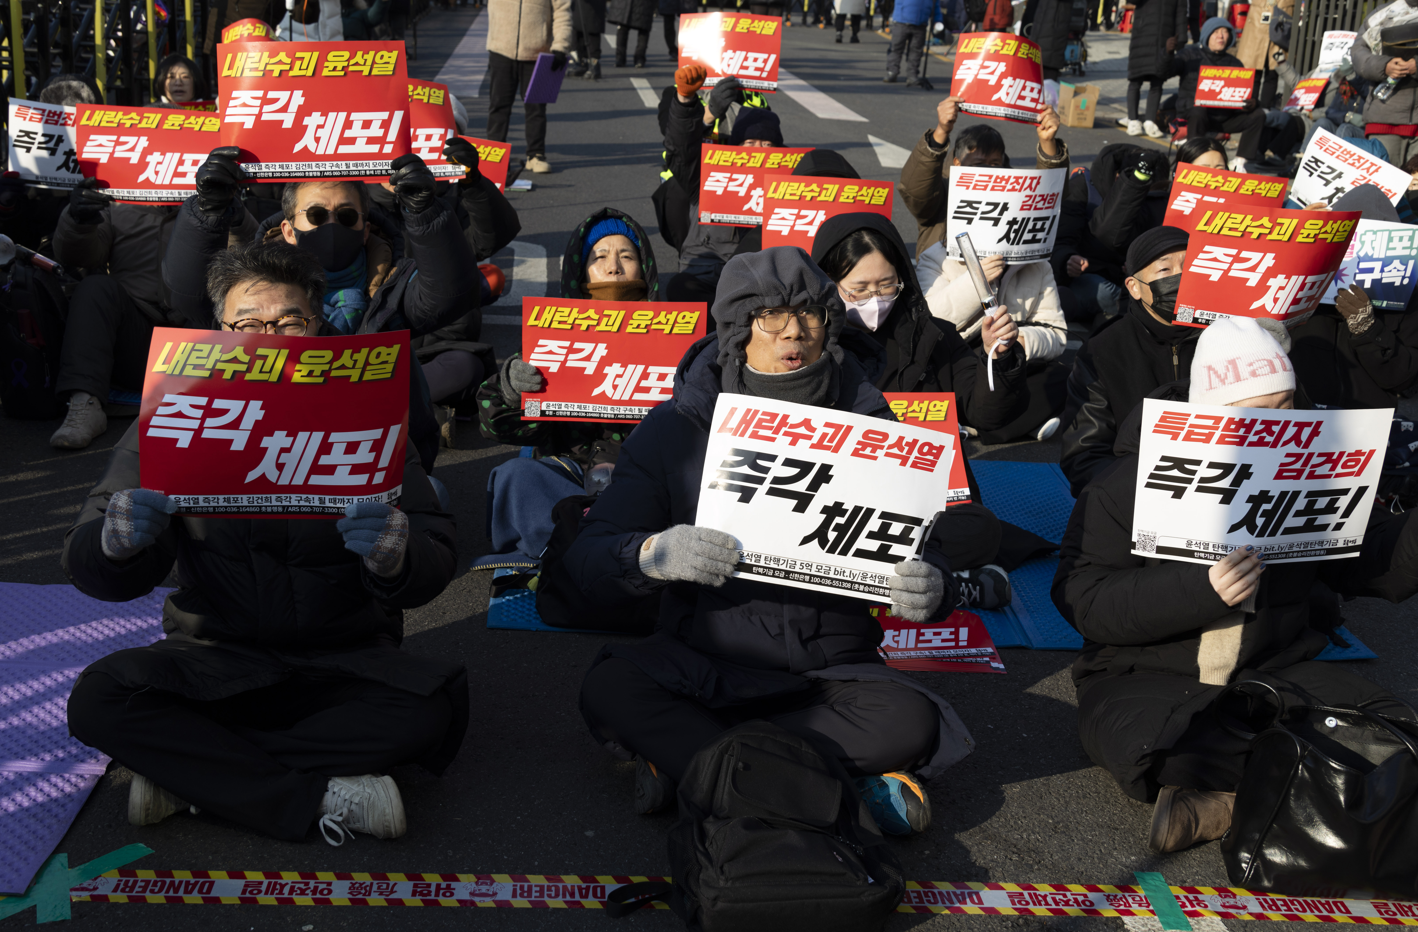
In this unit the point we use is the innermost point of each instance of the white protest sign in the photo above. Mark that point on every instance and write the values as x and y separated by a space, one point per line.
1330 167
1013 212
1333 47
1381 259
42 144
821 499
1296 485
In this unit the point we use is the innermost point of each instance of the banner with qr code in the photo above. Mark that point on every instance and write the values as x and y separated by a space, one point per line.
959 644
731 180
1380 258
1194 189
733 45
937 411
1224 88
845 497
998 75
431 126
145 155
1296 485
795 207
1013 212
254 425
1331 167
1261 262
43 144
314 110
605 361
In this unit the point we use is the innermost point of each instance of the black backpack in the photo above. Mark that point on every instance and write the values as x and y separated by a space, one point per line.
772 835
561 603
32 313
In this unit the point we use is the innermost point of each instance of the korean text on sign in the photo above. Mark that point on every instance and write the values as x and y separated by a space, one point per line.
43 144
1224 88
818 498
959 644
142 154
1251 262
1013 212
998 74
1296 485
1334 46
1330 167
314 110
1380 259
795 207
1307 93
605 361
251 424
1196 189
431 126
937 411
733 45
731 181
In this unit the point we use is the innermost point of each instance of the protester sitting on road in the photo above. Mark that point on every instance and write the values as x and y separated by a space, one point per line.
1217 35
279 695
367 290
1129 356
1161 638
1203 152
867 259
608 257
1391 108
730 650
923 178
1105 208
179 81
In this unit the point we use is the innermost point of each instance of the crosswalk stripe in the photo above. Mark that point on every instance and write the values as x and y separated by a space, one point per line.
647 95
817 103
889 154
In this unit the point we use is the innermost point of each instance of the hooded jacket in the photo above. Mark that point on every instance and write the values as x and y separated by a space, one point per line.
588 444
1105 208
1138 675
1189 61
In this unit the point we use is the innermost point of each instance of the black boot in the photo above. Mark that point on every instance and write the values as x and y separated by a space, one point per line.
576 67
839 37
594 73
620 58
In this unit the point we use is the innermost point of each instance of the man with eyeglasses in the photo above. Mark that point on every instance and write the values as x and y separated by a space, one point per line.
279 698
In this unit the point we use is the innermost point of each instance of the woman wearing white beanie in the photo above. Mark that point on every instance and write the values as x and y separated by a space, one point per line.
1239 362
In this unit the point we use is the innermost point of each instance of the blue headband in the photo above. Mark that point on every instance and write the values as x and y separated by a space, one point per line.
611 226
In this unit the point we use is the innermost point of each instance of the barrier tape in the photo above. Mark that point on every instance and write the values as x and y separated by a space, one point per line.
586 891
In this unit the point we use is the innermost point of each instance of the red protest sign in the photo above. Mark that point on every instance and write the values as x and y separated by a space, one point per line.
959 644
290 107
1307 93
937 411
145 154
431 126
1196 189
1225 88
998 75
731 181
1261 262
605 361
795 206
251 424
733 45
493 160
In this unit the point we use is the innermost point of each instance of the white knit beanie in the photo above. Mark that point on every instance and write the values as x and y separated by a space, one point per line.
1236 358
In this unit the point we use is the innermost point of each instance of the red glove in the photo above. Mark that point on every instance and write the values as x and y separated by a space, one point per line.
689 79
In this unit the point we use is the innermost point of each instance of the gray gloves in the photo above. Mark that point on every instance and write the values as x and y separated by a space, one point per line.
377 532
724 95
916 591
686 553
518 377
133 521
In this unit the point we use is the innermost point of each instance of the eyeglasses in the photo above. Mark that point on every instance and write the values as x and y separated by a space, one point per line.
889 291
319 216
293 326
775 319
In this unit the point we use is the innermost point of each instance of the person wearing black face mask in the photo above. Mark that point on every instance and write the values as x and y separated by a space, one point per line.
1129 356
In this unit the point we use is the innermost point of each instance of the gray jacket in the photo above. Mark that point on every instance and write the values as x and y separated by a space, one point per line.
1400 109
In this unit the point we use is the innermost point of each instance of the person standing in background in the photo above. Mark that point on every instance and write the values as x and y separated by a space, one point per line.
638 15
1159 28
517 32
588 19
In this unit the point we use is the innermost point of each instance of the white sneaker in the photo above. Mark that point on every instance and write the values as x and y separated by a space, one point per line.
1151 129
1239 165
82 424
1049 428
538 164
369 804
1134 127
149 804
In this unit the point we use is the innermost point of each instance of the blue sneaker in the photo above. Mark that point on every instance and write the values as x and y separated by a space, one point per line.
897 801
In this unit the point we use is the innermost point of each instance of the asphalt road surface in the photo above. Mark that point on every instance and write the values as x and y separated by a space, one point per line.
530 791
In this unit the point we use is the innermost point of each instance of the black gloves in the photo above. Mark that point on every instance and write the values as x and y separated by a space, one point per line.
726 93
218 181
413 184
1249 105
1148 164
86 202
558 61
461 152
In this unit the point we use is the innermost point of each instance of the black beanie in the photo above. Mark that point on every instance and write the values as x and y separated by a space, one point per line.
756 123
1156 242
824 163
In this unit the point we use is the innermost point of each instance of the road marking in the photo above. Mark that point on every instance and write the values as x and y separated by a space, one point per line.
528 280
889 154
816 102
466 67
647 95
1150 924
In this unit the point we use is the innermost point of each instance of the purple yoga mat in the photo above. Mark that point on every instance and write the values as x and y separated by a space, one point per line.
545 84
48 634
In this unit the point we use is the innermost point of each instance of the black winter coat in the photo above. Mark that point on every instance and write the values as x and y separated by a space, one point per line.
747 639
1050 31
637 14
1138 676
1188 64
1370 370
1153 22
705 248
1104 209
588 15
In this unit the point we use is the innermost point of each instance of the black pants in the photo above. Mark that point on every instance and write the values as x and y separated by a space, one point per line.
105 340
1249 123
910 40
870 727
672 35
622 42
262 758
1154 98
509 78
588 46
856 22
1048 392
686 287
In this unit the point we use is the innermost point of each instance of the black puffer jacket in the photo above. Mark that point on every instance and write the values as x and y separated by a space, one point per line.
705 248
1370 370
1104 209
1153 23
1049 29
588 15
637 14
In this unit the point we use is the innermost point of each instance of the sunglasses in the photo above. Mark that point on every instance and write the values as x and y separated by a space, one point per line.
319 216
